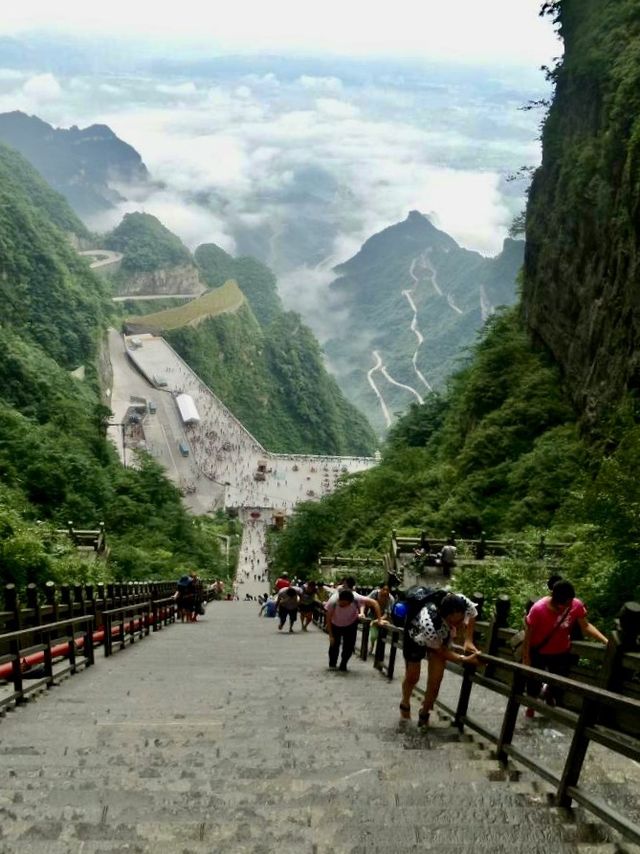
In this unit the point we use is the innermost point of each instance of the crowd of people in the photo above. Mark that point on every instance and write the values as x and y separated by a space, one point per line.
434 622
225 452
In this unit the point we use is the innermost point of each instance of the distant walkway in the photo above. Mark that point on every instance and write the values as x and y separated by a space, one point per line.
144 297
104 257
227 736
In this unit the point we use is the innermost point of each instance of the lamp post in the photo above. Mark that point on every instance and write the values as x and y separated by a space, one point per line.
122 426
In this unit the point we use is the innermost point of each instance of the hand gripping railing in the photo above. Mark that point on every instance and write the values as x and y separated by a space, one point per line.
593 713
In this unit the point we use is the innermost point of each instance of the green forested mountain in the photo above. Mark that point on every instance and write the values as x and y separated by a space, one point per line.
273 379
20 177
527 438
412 264
262 362
256 280
81 164
146 245
55 463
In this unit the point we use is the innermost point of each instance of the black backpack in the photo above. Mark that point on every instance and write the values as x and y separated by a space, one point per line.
416 598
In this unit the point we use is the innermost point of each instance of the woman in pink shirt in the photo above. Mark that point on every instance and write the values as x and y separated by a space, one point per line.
343 611
547 634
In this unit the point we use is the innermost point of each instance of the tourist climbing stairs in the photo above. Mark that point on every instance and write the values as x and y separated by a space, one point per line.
226 735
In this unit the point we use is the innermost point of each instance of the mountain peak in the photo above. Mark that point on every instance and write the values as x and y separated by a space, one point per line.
80 163
413 235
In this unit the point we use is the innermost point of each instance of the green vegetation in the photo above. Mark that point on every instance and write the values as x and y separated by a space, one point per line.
55 461
229 297
580 284
256 281
499 451
449 285
525 440
146 245
275 382
19 178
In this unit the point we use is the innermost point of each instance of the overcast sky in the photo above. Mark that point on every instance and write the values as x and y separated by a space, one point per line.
470 31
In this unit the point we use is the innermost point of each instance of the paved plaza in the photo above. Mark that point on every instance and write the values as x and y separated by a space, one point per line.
226 467
228 736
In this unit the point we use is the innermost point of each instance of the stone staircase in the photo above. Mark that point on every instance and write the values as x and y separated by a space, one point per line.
226 736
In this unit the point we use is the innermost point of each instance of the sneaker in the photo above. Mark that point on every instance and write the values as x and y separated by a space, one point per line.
343 668
529 712
280 628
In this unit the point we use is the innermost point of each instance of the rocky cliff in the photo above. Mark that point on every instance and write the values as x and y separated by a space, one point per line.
183 279
580 294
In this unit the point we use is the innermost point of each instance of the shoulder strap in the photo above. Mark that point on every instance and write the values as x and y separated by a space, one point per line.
556 626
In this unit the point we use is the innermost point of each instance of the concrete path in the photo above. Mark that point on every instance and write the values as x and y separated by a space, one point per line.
228 736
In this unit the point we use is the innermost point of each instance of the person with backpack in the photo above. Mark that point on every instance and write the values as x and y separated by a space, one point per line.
382 595
185 596
432 621
547 636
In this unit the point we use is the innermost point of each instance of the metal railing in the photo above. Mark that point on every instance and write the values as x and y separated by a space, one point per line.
55 640
599 701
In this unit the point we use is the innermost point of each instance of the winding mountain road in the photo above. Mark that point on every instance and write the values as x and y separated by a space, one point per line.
408 295
104 257
377 367
390 379
486 309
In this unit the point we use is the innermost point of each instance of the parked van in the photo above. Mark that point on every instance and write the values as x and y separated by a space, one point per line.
151 406
184 449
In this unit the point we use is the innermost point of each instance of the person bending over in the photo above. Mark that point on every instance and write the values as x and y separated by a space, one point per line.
343 611
429 635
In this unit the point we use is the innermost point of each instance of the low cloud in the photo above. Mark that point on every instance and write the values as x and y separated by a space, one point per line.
42 88
188 88
300 171
321 84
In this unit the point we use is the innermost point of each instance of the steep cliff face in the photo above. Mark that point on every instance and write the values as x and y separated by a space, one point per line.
183 279
581 295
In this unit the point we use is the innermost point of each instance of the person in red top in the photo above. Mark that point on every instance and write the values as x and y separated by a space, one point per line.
282 582
547 634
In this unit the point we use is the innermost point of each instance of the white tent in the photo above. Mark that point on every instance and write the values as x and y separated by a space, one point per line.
187 409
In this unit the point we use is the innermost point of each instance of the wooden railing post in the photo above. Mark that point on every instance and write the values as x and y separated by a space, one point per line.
50 599
542 547
90 601
467 676
33 604
12 604
78 598
481 546
65 600
623 639
500 620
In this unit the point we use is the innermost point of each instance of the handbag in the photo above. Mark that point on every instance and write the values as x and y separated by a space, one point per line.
517 641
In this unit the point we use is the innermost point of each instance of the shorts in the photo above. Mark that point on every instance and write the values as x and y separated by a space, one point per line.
412 651
307 608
